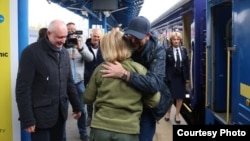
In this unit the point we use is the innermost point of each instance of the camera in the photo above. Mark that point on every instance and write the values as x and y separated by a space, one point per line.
72 39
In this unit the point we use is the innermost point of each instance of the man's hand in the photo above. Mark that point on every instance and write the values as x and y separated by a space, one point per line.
79 44
113 70
30 129
77 115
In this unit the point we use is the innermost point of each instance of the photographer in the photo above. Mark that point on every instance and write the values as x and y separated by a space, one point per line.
78 55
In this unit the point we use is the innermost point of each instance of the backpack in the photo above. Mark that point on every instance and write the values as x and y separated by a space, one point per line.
164 104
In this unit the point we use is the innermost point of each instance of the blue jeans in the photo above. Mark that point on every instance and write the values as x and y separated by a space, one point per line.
147 126
81 122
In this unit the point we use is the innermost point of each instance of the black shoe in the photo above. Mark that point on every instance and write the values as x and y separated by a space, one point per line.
177 121
166 119
84 138
89 119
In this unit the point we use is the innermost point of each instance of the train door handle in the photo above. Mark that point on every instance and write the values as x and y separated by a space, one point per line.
233 48
248 102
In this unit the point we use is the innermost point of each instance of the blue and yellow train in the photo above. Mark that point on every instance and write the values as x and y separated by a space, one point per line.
216 34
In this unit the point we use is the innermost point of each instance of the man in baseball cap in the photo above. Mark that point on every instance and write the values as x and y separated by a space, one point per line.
139 27
138 32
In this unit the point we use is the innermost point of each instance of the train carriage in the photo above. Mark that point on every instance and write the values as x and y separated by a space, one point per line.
189 18
216 34
228 78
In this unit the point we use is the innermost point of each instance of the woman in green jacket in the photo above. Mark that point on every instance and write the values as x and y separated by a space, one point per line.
117 106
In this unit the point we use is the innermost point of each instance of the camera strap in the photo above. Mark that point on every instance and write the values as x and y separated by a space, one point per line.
73 56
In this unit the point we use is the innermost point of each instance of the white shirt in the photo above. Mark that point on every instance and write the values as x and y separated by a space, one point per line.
175 53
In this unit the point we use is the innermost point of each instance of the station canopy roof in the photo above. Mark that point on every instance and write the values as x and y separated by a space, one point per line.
116 11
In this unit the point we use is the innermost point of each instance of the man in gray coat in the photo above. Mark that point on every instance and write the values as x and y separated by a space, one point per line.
79 54
44 85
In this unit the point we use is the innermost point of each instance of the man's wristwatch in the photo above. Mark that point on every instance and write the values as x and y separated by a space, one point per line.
124 76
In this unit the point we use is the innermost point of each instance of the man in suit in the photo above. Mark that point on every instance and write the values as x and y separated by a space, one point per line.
44 85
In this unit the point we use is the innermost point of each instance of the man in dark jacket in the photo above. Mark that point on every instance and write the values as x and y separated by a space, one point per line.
152 56
44 85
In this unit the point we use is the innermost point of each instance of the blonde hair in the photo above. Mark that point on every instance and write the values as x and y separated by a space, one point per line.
174 35
115 47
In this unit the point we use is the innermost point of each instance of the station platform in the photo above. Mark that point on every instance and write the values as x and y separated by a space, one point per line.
163 128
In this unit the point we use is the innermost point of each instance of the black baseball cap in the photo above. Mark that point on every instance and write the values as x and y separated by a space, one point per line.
138 27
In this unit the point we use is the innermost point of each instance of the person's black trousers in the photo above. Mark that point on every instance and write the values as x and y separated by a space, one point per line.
50 134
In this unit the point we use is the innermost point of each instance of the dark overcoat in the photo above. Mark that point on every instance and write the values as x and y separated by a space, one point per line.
176 77
44 85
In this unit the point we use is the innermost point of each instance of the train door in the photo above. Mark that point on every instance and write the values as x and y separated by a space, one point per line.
240 63
222 15
218 94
